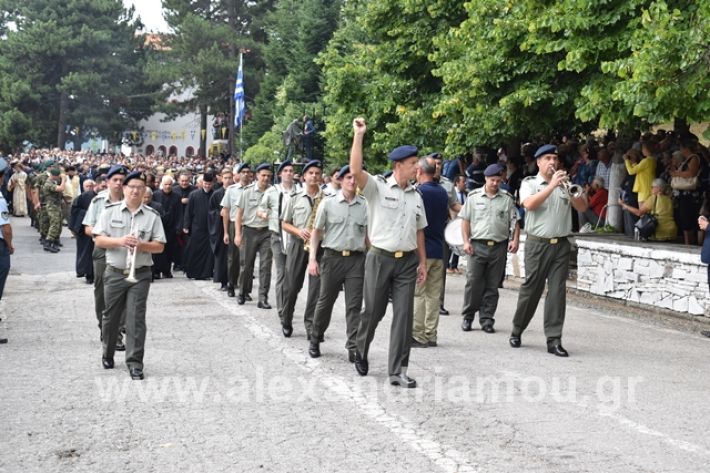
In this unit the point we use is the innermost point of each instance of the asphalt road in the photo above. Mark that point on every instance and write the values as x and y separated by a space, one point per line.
225 392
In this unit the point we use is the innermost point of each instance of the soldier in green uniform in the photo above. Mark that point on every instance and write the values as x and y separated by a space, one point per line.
42 220
341 222
397 258
486 221
130 232
53 194
252 236
113 194
548 223
298 220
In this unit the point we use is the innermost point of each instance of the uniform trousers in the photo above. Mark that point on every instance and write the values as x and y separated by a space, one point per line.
256 240
544 261
296 264
123 296
337 270
235 262
383 274
99 260
4 264
279 258
426 302
484 271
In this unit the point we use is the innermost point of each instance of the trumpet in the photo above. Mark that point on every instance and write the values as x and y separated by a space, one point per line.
575 191
131 256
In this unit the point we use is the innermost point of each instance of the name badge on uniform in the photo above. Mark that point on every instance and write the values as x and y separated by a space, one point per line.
117 223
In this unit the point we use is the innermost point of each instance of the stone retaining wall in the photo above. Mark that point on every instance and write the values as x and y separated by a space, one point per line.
659 275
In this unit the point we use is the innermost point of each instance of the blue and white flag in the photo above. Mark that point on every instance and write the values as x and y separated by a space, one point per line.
239 105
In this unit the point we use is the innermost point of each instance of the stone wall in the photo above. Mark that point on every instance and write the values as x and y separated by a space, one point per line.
656 274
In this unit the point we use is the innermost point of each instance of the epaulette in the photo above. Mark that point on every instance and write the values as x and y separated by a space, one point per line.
148 208
506 193
528 178
476 191
250 185
381 178
111 204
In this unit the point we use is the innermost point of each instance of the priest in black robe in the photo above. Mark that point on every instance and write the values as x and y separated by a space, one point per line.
198 258
172 224
84 243
183 188
219 249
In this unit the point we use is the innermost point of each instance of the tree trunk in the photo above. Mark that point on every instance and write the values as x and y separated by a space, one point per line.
203 126
62 122
680 126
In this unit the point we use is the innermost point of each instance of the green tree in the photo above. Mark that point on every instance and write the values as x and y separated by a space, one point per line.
74 65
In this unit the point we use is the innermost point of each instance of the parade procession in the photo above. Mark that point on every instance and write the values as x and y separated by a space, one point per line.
354 236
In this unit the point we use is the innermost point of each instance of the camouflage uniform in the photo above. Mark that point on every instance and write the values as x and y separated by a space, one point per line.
53 211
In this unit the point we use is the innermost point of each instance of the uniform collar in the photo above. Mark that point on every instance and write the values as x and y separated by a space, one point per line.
341 198
392 182
123 207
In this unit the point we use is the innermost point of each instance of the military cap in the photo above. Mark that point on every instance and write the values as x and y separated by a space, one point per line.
493 170
242 166
116 169
312 163
387 174
343 171
134 175
545 149
283 165
263 167
54 171
208 177
403 152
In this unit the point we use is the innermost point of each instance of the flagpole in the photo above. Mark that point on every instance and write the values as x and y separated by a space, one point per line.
239 105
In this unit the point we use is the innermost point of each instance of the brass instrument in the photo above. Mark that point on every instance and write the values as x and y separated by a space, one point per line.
575 191
131 255
310 223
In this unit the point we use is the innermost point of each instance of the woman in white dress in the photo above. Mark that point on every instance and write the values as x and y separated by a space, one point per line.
18 186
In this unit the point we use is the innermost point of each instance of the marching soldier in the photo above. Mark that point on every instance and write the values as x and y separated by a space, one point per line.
298 220
113 194
53 192
122 227
229 215
252 236
396 260
341 222
486 220
272 206
548 223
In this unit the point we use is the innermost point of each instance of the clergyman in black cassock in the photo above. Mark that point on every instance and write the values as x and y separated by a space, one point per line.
198 258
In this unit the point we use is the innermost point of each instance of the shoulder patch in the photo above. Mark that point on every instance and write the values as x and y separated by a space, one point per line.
381 178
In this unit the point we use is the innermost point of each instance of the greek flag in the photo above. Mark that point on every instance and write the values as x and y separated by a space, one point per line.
239 105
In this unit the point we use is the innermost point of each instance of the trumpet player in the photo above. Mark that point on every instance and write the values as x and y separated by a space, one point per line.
548 203
130 232
298 220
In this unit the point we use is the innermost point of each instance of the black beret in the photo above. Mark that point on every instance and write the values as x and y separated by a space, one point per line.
493 170
403 152
343 171
284 164
312 163
116 169
263 167
242 166
134 175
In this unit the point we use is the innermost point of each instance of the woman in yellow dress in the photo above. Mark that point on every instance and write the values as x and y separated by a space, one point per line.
661 206
18 186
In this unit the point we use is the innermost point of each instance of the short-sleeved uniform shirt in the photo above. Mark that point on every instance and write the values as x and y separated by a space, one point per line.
249 200
299 208
395 214
344 224
231 199
491 218
116 221
553 219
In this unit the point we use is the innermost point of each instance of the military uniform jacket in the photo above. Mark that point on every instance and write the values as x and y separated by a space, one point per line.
95 208
491 218
249 201
270 204
395 214
344 223
51 196
116 221
553 219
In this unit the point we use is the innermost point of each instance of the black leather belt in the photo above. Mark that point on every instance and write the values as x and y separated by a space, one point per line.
391 254
331 252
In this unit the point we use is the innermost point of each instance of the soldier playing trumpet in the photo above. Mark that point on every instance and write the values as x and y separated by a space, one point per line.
113 232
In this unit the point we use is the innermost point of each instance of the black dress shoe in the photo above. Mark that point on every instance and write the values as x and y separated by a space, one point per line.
432 343
466 325
248 298
314 349
240 299
351 355
3 341
120 346
136 373
514 341
488 329
361 365
107 363
402 380
417 344
168 275
263 305
156 275
442 311
223 287
80 275
230 290
557 350
287 330
89 280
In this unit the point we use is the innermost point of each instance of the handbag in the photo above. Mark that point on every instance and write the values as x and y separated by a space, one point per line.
646 225
685 183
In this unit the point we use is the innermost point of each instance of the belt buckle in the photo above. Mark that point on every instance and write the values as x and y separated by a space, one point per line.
346 252
553 241
125 272
398 254
490 243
